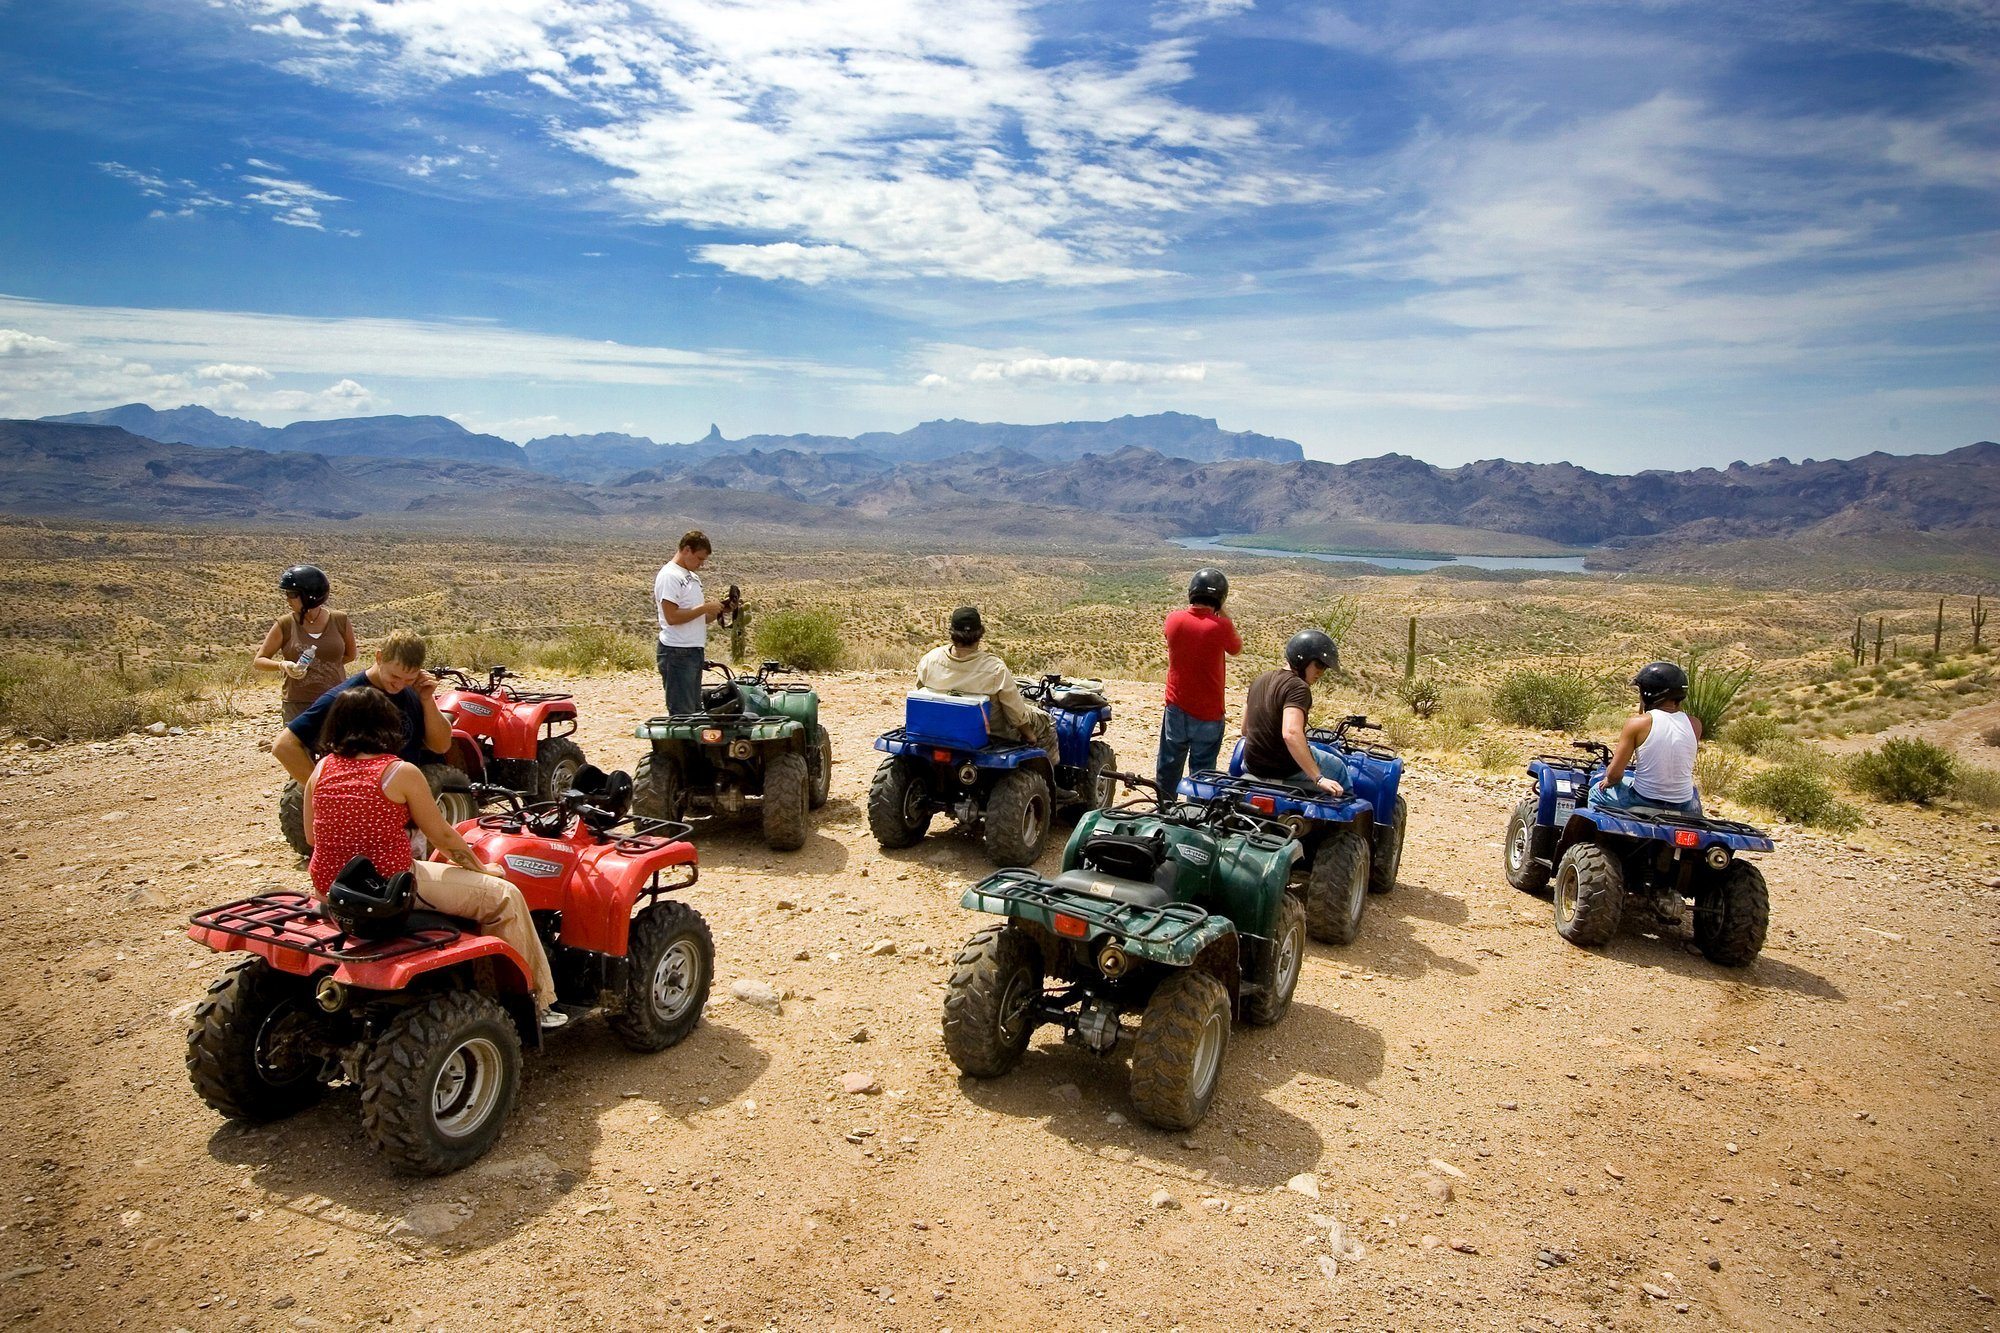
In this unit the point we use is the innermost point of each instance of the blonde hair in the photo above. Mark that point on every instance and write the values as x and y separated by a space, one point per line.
405 648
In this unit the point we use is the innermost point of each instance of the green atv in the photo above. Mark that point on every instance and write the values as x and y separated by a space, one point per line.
1185 912
755 737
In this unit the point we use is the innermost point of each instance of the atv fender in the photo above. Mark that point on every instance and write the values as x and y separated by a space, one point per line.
602 923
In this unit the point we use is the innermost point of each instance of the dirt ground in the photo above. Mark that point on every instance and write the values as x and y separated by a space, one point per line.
1514 1133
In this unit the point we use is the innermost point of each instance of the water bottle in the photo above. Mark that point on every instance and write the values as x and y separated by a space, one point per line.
306 658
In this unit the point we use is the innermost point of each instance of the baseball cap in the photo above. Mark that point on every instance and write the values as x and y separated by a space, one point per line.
966 624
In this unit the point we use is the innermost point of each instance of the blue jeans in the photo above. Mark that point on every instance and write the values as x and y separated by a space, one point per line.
1186 745
680 675
1331 765
1623 796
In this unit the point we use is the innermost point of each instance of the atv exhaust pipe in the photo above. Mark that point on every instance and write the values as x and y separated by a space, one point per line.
331 995
1113 961
968 774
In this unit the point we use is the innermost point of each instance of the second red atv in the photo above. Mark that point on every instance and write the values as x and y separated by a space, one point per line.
429 1020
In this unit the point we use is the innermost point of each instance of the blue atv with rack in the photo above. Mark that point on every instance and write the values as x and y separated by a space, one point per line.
1606 861
1353 843
1183 912
945 760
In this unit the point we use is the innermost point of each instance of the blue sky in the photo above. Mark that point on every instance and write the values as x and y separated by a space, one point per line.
1632 234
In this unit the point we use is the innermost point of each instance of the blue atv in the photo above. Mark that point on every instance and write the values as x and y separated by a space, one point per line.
1603 861
944 759
1353 843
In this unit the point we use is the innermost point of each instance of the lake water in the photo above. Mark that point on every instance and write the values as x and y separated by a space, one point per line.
1547 564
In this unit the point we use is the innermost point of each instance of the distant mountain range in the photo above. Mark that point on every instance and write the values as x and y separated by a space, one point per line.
608 457
1038 485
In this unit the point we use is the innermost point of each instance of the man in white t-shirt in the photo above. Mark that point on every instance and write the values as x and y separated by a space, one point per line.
684 618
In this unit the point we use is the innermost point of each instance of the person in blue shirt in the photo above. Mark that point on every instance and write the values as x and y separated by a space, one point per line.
399 673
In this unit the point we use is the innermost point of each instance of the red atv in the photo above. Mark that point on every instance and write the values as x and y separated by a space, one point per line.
507 736
428 1020
500 734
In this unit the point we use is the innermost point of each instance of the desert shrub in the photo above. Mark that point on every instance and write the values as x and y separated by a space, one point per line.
1556 700
1337 617
806 639
1798 789
65 699
472 650
1448 734
1712 689
1402 731
1905 768
1421 696
1990 736
1753 732
1951 670
589 648
1495 752
1466 704
1716 770
1978 787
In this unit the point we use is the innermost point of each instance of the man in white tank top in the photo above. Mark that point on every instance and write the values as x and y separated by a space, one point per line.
1653 763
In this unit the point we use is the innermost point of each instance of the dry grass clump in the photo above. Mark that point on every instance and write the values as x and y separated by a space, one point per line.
65 698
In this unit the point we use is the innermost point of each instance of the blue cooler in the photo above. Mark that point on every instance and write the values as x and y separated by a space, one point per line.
957 721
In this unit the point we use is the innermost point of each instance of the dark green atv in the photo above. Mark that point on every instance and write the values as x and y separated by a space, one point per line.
1187 914
755 738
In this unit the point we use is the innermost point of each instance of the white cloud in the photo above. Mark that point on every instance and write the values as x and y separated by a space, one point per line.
893 139
14 343
291 203
1186 13
1087 370
224 373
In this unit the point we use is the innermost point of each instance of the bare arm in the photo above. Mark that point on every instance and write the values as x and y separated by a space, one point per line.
267 658
675 615
437 731
406 786
290 751
1629 740
1294 730
311 782
349 651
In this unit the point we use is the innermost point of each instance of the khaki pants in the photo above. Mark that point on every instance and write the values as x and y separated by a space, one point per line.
498 908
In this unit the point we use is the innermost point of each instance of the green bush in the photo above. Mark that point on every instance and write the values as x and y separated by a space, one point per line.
1421 696
1556 700
73 699
1905 769
1494 752
807 640
1467 705
1753 732
1716 770
1798 790
591 648
474 650
1951 670
1712 689
1978 787
1991 736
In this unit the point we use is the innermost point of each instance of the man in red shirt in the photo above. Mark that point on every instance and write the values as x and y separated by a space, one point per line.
1199 636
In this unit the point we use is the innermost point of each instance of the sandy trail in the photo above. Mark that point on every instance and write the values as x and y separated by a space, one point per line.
1805 1144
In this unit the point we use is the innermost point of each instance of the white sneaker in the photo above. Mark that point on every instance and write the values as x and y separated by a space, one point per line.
553 1019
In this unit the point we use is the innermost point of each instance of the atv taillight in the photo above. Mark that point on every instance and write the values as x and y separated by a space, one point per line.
1071 927
1268 804
942 756
1686 837
711 735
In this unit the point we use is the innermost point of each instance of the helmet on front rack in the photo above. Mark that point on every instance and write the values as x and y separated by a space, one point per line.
364 902
308 583
1311 645
1209 587
1660 680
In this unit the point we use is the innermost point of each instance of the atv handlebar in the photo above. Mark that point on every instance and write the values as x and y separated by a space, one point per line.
1597 750
1220 811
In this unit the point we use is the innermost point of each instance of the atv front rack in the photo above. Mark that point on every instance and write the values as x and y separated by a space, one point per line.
289 920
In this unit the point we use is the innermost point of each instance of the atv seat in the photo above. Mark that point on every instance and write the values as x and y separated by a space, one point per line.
1076 700
423 919
1127 857
1117 889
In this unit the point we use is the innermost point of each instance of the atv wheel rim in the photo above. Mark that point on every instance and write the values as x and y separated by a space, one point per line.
1033 818
563 776
467 1088
1287 975
1208 1055
1565 897
676 980
1357 892
457 806
277 1050
914 804
1517 850
1012 1012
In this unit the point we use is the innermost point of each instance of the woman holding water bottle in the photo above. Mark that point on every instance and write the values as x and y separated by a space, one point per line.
312 646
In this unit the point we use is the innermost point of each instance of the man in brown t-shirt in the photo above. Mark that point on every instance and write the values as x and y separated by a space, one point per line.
1275 713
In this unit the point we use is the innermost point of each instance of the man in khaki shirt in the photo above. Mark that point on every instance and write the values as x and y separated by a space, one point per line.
963 667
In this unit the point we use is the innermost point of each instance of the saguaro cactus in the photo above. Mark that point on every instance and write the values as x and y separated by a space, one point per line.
1978 620
1410 657
1937 634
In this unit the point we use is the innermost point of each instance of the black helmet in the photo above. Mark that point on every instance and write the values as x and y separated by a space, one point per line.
1312 645
1661 680
307 583
609 795
363 901
1208 587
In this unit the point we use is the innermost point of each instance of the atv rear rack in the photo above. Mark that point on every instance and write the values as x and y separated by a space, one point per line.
290 920
1104 913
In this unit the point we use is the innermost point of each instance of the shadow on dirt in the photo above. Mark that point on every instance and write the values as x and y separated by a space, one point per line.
320 1165
1245 1141
1388 943
737 841
1674 951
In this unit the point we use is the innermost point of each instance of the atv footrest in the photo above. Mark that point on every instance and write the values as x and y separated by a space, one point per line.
290 920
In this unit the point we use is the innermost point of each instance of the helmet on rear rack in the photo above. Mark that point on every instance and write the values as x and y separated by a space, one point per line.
308 583
1209 587
609 795
722 698
1661 680
363 901
1311 645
